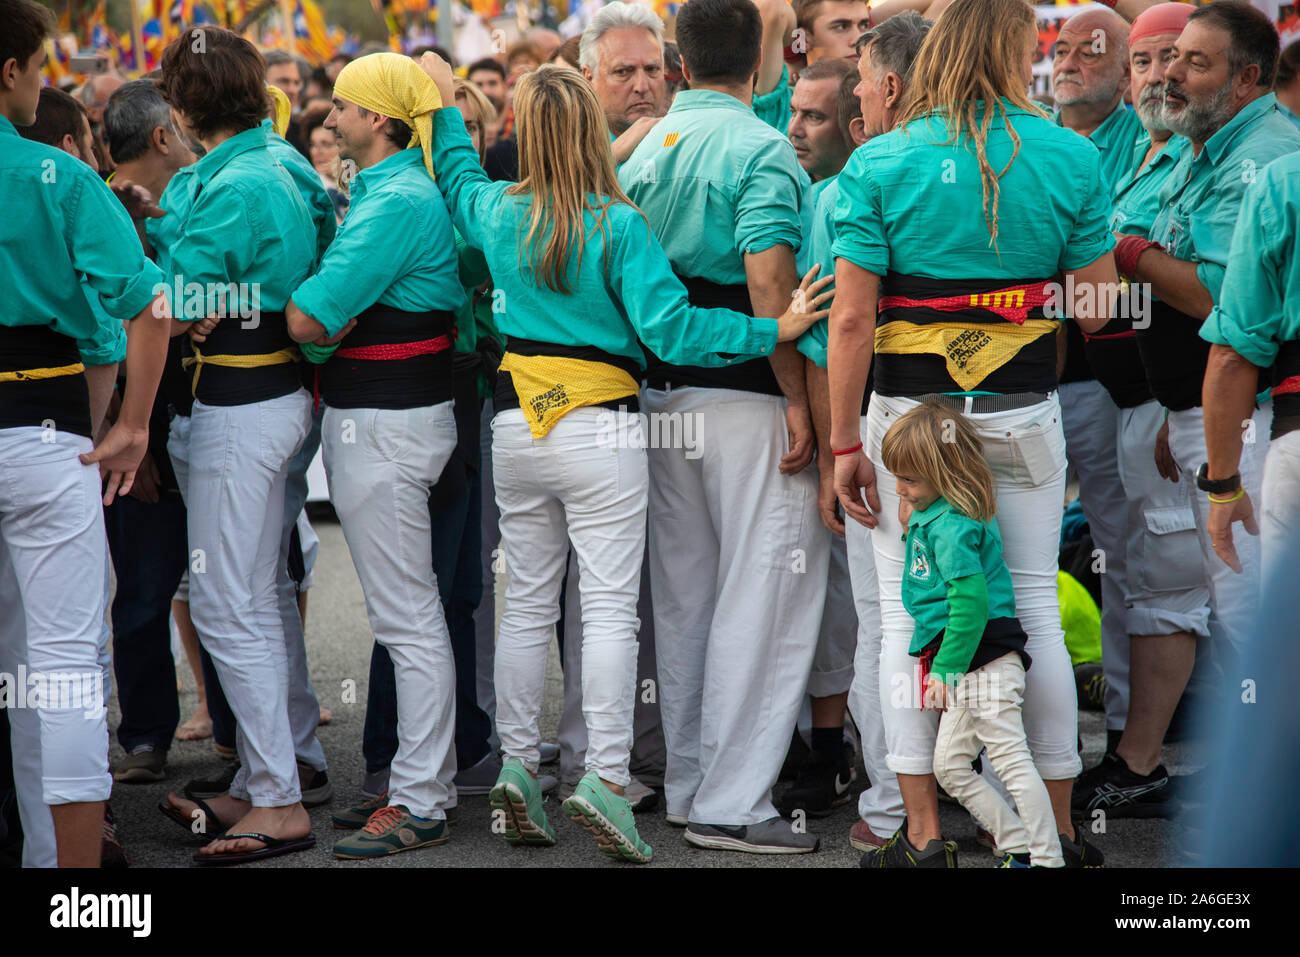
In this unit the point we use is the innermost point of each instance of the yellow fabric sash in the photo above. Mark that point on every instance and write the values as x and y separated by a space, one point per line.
972 353
283 109
48 372
550 387
199 360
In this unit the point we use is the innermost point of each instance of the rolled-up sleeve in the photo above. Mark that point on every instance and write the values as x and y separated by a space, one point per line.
1090 237
106 250
859 222
107 344
769 201
1249 311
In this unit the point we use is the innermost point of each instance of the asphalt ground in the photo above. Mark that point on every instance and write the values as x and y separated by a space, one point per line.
338 649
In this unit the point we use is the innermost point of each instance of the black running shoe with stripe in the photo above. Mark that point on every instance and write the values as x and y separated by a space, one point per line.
1119 792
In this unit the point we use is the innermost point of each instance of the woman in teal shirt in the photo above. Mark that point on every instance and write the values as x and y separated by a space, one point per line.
954 226
581 279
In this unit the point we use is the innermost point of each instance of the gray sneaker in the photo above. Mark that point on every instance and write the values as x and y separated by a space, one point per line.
479 778
548 753
144 763
773 836
315 785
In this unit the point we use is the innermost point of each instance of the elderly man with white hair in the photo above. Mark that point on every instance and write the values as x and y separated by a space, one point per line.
622 54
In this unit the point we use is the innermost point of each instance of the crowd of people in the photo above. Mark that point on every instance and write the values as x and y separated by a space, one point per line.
755 362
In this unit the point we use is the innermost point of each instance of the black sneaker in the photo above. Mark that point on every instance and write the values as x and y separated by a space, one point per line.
795 758
820 787
1090 685
899 852
201 789
1079 853
1116 790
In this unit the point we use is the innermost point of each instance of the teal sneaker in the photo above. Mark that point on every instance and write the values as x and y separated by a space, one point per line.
391 830
608 818
518 798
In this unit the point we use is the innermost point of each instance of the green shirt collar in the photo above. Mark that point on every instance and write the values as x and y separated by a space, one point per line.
216 160
1105 131
388 167
706 100
940 506
1218 145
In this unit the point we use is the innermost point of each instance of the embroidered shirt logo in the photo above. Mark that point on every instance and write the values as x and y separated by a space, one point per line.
920 565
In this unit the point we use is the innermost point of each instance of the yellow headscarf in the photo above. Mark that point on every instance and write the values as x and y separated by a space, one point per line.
283 111
393 85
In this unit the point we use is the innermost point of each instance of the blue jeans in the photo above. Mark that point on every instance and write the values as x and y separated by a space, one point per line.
457 541
148 545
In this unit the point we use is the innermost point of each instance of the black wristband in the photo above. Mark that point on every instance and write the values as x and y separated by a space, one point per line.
1216 486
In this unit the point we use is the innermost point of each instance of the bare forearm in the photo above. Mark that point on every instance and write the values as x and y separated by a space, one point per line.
778 24
1130 10
1227 401
819 403
1175 281
852 342
100 381
146 353
787 365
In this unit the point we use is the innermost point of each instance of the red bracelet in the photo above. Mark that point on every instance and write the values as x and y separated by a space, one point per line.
1127 251
856 448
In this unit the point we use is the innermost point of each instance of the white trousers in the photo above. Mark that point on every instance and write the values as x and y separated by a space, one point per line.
381 464
304 707
986 714
52 566
1167 587
1025 449
1279 510
880 805
1234 599
238 463
837 639
1091 422
583 483
738 571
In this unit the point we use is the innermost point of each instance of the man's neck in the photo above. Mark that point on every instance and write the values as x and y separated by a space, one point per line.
1084 118
209 143
149 173
379 151
741 91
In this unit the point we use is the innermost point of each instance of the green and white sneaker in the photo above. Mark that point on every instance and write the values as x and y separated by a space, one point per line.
391 830
518 797
608 818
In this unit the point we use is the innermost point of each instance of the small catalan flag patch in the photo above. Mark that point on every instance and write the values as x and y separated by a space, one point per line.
671 139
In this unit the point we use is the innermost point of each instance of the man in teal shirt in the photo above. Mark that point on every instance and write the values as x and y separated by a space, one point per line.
1167 600
723 193
1255 325
389 429
886 55
1217 95
61 223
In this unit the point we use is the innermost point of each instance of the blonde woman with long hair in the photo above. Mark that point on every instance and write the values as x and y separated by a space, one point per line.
580 279
956 227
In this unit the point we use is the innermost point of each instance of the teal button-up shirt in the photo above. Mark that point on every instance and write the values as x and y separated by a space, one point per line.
773 107
1288 114
911 203
1114 139
1202 196
248 228
817 250
63 227
1259 305
1137 197
715 182
310 187
396 248
622 285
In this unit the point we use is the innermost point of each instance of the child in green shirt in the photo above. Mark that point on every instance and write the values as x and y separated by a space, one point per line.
957 589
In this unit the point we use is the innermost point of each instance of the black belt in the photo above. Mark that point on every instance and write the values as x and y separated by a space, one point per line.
983 404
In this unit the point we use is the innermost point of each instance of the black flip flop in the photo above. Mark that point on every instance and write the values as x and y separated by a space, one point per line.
274 847
173 813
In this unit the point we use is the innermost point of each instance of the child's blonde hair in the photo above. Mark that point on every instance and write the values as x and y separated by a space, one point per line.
939 446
